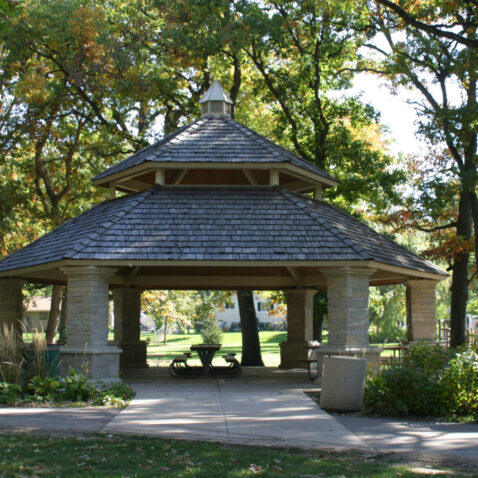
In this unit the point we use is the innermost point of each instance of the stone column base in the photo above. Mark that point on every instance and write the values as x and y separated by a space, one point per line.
371 354
133 355
292 352
101 363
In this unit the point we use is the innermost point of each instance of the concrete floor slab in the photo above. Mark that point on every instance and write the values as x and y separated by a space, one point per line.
261 406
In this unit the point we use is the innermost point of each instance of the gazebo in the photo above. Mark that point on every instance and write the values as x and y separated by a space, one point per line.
215 206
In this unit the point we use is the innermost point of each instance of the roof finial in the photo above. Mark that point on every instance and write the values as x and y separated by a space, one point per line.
216 102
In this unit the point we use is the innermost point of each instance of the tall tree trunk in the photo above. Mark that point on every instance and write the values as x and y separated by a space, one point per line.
62 327
459 282
251 346
320 310
54 315
165 331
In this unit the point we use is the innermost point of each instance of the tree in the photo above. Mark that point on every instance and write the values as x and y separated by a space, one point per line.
251 348
432 48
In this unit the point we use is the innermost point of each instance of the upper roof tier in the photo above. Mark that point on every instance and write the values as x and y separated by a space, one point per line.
215 150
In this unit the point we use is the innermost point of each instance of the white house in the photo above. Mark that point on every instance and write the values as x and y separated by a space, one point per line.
228 318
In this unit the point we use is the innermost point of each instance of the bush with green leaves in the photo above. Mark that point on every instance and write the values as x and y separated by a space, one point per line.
460 381
432 381
44 388
10 393
77 388
211 333
113 395
74 388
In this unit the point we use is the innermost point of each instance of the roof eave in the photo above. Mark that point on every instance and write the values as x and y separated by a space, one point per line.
153 165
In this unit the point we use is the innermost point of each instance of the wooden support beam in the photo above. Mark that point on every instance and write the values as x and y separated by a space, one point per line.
294 273
159 176
250 176
274 177
129 277
180 176
198 282
112 190
133 185
318 192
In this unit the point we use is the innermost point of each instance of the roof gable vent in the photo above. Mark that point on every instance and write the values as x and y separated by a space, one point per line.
216 102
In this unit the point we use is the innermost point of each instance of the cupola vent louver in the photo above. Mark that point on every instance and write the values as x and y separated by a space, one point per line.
216 102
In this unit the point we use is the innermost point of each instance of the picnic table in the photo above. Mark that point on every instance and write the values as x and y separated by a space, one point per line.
397 350
311 349
180 368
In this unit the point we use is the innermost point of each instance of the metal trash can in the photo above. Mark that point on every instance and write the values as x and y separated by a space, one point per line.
50 358
343 383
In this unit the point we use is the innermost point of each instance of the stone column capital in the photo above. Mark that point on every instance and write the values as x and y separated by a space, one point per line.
422 283
347 271
303 292
74 271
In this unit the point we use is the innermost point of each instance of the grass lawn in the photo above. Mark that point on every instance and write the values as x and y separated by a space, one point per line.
232 342
125 455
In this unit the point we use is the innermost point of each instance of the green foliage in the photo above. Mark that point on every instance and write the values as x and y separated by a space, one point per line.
44 388
113 395
387 314
74 388
431 381
10 393
461 384
211 333
77 388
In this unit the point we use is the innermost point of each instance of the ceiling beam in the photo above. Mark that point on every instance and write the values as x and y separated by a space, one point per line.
294 273
251 177
180 176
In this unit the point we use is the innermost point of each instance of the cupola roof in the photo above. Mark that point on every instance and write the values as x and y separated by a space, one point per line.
216 101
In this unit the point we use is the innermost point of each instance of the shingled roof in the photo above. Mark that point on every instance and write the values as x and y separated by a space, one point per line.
172 223
214 140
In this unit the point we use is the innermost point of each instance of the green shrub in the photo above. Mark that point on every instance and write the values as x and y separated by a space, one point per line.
77 388
44 388
10 393
113 395
460 381
431 381
211 333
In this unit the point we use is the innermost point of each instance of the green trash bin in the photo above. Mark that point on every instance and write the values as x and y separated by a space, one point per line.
51 359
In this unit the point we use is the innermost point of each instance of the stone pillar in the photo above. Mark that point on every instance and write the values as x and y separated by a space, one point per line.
87 350
299 327
347 292
421 310
127 311
11 307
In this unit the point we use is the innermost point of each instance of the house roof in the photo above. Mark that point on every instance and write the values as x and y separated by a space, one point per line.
182 223
214 140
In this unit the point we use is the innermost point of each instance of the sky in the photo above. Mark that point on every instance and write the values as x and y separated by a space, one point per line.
396 113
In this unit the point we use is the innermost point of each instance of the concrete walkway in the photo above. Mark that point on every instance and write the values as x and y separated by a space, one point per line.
259 407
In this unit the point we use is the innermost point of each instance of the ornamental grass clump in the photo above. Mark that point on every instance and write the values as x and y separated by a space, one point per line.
11 357
432 381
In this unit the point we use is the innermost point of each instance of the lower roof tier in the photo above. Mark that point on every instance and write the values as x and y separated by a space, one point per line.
214 226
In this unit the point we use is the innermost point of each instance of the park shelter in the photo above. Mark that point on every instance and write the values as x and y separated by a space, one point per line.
215 205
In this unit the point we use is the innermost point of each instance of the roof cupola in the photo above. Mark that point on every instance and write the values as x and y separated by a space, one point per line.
216 102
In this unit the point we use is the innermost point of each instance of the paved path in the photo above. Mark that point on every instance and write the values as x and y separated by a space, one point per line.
61 421
419 437
251 409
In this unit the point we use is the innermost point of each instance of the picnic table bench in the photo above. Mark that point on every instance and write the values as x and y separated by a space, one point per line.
179 367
